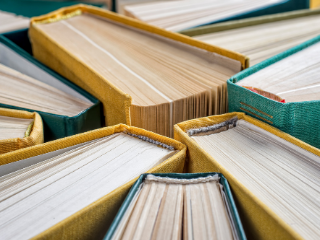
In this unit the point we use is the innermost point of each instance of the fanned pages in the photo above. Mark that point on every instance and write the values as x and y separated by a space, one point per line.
179 15
168 81
10 22
281 175
20 90
295 78
12 127
37 197
170 208
263 41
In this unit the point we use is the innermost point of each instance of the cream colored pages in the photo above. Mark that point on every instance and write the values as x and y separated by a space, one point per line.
10 22
11 127
37 197
168 81
295 78
23 91
282 175
179 15
163 208
263 41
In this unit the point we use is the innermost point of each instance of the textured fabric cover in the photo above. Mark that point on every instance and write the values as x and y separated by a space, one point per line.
135 187
258 220
285 6
299 119
314 3
218 27
31 8
55 126
115 102
92 221
33 138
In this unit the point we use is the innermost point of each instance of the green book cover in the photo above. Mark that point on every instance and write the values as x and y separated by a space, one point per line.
16 45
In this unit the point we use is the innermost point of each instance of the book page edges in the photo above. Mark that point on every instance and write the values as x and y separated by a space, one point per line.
34 137
262 221
234 24
61 13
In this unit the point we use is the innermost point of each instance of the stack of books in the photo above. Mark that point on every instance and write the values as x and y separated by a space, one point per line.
65 176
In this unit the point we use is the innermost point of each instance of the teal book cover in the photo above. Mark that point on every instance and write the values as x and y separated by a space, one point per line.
299 119
233 212
33 8
15 52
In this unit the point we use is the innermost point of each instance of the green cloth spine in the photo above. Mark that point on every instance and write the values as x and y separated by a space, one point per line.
299 119
55 126
135 187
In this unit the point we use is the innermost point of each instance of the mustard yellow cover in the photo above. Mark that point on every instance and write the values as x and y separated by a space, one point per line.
93 221
116 103
33 136
259 221
314 4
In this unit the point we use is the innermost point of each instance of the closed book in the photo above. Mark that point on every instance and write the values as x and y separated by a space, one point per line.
15 54
287 100
314 4
271 174
175 219
72 187
181 15
19 129
260 38
145 76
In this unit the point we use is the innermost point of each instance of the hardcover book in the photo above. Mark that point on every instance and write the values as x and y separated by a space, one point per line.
71 188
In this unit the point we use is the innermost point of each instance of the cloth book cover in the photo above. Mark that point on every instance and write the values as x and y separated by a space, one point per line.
237 24
131 198
298 112
30 132
15 52
270 38
259 217
91 221
127 90
314 4
31 8
164 10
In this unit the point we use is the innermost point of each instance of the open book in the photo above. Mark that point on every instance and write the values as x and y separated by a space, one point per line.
12 127
168 81
23 91
61 183
295 78
263 41
177 208
282 177
10 22
179 15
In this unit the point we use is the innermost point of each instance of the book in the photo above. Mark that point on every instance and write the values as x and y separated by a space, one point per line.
22 91
273 175
80 177
283 91
180 15
11 22
153 78
262 41
178 206
15 54
19 129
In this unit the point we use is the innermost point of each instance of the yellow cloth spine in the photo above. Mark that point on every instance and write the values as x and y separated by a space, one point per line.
93 221
34 134
115 102
314 4
259 221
